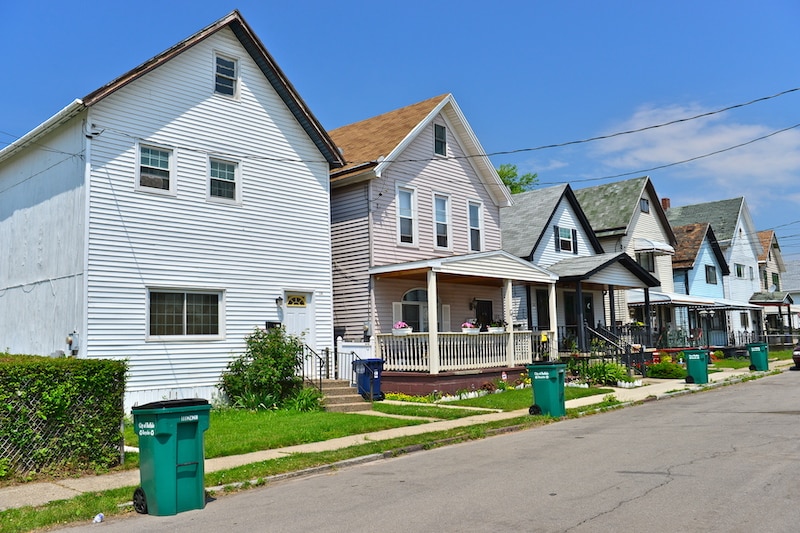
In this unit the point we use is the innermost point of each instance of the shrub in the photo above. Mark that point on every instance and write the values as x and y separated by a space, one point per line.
305 400
605 373
265 376
666 370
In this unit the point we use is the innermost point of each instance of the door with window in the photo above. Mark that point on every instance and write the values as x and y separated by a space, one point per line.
298 318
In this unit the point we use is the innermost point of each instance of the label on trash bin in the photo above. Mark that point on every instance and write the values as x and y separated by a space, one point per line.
147 429
189 418
375 374
755 348
694 356
541 375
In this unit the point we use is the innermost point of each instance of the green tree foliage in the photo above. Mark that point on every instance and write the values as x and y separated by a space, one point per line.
265 376
516 183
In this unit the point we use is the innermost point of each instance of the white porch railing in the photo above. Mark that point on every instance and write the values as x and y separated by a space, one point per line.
458 351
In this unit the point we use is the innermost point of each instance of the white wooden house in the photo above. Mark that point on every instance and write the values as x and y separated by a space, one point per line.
415 220
548 227
164 216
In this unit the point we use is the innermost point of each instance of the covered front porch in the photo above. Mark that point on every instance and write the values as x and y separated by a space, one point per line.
436 297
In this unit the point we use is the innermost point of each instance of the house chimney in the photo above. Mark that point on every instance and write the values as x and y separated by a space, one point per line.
665 203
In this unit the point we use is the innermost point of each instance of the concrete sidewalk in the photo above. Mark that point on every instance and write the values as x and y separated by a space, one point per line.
33 494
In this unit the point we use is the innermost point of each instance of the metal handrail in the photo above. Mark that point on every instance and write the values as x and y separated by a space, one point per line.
321 362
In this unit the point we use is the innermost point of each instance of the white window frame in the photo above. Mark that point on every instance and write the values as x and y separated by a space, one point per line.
141 145
403 189
644 205
471 228
565 239
739 270
237 181
235 78
711 275
436 140
220 335
447 218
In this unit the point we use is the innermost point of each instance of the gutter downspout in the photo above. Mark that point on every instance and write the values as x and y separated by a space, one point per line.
87 180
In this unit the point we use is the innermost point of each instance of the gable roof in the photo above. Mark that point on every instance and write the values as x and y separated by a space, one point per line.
371 145
524 224
236 23
584 267
769 241
723 216
611 207
690 241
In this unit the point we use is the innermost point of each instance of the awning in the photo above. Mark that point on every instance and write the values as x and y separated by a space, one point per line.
641 244
735 304
636 297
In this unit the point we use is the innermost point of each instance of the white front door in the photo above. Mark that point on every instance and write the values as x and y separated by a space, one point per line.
298 316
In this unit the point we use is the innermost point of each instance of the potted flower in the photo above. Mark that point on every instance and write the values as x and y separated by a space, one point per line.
469 327
497 326
401 328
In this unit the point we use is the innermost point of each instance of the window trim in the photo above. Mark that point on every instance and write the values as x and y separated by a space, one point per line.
237 181
447 222
236 75
739 270
651 260
572 239
220 335
644 205
437 141
413 217
480 229
172 174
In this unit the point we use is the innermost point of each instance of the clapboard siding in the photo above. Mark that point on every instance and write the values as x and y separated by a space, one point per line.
564 216
351 249
455 178
278 238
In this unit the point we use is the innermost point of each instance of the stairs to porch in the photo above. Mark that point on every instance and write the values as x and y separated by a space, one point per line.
340 397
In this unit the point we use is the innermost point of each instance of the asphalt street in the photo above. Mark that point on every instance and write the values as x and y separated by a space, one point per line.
726 459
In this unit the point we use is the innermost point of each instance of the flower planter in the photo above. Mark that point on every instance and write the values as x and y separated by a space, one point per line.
399 332
471 331
497 329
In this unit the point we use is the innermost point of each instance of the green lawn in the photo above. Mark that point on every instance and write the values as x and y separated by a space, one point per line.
425 410
515 399
235 431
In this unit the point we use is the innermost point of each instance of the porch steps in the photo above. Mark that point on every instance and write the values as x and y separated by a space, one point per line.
340 397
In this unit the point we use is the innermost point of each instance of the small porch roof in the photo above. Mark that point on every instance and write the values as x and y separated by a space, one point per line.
488 267
591 268
772 298
641 244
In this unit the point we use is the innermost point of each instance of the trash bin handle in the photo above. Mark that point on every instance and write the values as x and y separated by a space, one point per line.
187 464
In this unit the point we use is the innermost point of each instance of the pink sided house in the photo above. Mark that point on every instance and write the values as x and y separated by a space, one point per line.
415 223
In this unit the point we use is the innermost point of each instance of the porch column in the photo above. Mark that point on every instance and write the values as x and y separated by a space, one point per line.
433 329
581 317
507 295
648 326
612 305
554 340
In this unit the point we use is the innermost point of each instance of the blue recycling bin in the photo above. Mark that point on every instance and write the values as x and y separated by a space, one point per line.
368 378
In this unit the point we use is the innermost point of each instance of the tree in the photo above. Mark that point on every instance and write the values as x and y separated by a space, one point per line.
516 183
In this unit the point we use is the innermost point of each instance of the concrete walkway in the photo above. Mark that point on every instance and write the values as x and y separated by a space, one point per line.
33 494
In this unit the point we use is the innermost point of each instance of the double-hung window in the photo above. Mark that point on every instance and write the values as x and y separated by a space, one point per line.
475 227
711 274
155 168
441 206
406 215
439 139
174 313
739 270
647 260
223 180
566 239
225 75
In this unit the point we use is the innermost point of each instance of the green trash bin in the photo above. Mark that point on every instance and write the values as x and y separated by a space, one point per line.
547 382
696 366
171 456
759 352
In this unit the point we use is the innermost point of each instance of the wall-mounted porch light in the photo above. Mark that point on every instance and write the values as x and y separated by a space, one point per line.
279 301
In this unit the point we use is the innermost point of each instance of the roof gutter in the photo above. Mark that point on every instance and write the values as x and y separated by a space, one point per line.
65 115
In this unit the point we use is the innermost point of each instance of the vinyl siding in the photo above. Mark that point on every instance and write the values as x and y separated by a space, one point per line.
277 239
417 168
42 213
563 217
741 251
351 249
648 226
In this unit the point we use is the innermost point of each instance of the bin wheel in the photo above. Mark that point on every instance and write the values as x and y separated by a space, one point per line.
140 501
752 367
689 379
535 410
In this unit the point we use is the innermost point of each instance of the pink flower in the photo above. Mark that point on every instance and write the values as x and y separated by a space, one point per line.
400 325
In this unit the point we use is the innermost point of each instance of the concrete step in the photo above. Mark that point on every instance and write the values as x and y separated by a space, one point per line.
348 407
340 397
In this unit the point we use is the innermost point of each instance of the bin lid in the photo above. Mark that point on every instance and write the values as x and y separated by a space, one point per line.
169 404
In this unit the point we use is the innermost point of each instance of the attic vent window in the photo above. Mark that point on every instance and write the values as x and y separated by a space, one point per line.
644 205
225 80
440 139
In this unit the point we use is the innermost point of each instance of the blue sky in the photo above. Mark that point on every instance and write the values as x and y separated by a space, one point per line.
526 74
